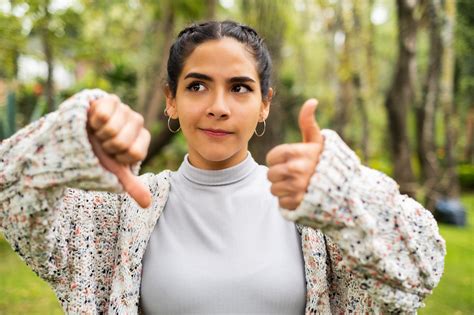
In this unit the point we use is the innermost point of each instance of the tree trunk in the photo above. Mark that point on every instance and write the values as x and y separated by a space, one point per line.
401 96
211 6
49 58
426 112
450 178
331 63
364 119
372 70
155 91
152 103
469 148
269 21
363 63
345 71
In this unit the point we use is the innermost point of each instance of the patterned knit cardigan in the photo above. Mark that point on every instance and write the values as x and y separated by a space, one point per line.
367 249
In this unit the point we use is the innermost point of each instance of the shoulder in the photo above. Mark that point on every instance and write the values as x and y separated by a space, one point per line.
262 174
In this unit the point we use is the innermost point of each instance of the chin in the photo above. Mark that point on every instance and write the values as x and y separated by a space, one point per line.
217 155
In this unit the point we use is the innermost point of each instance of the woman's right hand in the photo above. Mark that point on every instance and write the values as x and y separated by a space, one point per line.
119 140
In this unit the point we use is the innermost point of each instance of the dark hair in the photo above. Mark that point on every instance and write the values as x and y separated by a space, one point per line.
196 34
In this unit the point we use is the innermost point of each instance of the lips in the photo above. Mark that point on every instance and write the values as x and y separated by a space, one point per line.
216 132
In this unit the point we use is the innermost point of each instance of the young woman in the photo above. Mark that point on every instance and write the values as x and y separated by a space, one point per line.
315 232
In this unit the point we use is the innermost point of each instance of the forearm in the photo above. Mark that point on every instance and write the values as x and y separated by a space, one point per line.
37 165
384 237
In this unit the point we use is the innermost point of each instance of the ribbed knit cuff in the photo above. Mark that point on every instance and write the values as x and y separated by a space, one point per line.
337 166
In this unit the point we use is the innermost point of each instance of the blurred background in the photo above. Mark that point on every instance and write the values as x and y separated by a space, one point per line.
395 78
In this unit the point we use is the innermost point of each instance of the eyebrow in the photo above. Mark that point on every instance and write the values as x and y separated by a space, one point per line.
202 76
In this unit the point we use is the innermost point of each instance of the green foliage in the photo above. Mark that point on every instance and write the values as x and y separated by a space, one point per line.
123 78
170 158
382 165
30 102
8 117
12 43
466 176
11 114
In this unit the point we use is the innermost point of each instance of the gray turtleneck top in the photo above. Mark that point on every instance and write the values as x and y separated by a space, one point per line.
222 247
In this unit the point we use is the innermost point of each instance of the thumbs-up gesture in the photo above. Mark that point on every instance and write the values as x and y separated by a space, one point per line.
291 166
119 140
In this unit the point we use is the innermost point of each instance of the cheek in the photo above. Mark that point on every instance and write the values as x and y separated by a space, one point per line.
189 116
248 122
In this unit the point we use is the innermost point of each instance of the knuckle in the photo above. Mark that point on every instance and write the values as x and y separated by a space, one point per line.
292 167
136 154
119 145
122 159
127 110
108 147
269 158
292 185
271 173
140 119
124 110
289 148
108 131
287 152
114 98
146 134
274 190
101 115
147 137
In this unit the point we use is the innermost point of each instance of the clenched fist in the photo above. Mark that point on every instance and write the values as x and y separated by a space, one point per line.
291 166
119 140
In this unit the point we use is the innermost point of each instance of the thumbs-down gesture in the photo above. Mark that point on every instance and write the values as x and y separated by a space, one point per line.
291 166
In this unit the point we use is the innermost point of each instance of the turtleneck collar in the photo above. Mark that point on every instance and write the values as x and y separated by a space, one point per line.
222 177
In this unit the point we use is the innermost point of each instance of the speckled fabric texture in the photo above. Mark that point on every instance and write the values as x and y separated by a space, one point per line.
367 249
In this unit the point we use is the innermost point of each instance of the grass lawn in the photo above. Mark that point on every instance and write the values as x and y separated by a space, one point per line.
22 292
455 292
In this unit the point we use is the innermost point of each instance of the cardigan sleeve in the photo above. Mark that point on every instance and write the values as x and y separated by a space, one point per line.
40 168
388 240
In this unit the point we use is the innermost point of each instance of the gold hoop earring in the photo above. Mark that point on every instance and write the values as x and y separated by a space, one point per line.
169 126
263 131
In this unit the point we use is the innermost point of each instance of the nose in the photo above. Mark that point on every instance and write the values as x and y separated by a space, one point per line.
218 108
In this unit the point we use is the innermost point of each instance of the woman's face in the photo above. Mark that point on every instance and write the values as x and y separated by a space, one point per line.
218 103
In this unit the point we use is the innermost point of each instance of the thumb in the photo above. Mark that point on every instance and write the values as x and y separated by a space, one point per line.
134 187
131 184
308 125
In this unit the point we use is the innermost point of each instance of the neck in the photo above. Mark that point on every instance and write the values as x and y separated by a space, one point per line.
218 177
198 161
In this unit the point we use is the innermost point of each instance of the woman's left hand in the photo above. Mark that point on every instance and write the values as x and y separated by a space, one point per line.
291 166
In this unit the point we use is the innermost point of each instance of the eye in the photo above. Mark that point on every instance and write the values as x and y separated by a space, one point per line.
241 88
196 87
